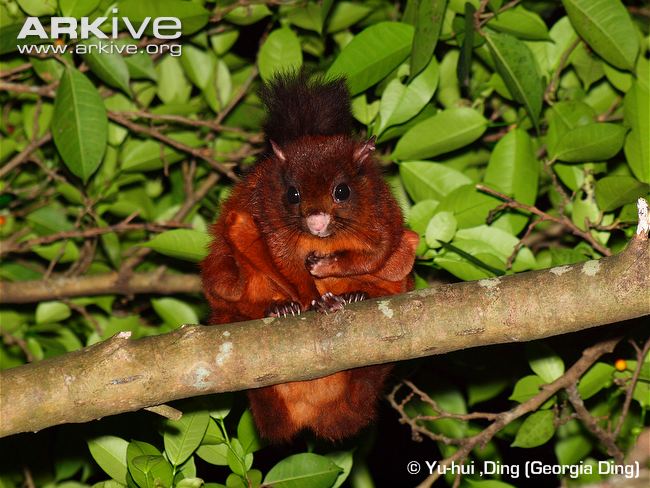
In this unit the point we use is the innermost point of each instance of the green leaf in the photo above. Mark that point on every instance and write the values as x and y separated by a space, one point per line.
428 22
615 191
49 219
77 8
152 472
564 116
344 460
536 430
51 312
307 17
420 214
516 64
449 89
222 42
485 390
280 52
526 388
444 132
174 312
470 207
373 54
248 14
109 67
191 14
426 180
513 169
598 377
363 111
221 406
346 14
139 449
545 362
593 142
173 86
148 155
441 228
521 23
183 436
79 124
606 26
187 244
470 260
238 461
199 65
216 454
36 8
302 470
66 252
637 143
587 65
213 434
247 433
573 449
501 244
399 103
110 454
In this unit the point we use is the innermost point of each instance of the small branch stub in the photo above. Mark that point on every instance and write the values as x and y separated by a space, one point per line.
644 219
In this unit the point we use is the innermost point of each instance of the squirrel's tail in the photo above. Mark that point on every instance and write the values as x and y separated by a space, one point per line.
299 104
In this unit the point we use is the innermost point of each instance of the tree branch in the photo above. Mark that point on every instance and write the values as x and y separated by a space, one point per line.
120 375
103 284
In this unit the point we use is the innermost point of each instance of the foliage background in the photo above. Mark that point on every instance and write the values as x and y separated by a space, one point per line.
118 164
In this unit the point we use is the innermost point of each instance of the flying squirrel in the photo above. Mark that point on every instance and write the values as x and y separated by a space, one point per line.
312 226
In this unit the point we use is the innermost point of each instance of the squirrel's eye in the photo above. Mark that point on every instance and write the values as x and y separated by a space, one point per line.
293 195
341 192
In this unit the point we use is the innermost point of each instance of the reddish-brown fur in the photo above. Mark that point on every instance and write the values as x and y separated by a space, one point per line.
259 257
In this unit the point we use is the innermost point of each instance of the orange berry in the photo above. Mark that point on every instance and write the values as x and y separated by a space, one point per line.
59 42
3 220
620 364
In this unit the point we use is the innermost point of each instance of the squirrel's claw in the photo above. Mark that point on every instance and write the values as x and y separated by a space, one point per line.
328 303
355 296
283 309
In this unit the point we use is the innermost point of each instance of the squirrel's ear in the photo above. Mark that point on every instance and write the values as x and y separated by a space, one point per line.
363 152
278 152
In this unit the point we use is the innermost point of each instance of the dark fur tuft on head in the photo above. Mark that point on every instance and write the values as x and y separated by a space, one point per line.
300 104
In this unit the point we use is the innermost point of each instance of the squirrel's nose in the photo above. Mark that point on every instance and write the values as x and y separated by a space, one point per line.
318 223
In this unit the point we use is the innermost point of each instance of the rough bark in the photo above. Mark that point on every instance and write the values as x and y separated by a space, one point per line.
121 375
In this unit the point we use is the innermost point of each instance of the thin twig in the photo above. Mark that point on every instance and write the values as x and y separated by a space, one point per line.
23 155
203 154
15 70
563 220
549 93
237 98
591 423
255 138
11 340
640 357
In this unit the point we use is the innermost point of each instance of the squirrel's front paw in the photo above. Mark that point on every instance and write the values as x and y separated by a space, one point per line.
319 265
283 309
328 303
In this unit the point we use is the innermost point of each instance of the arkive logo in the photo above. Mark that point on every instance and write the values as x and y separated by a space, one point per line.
84 28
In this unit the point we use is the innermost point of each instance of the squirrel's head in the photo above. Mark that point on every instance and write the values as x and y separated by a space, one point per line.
323 187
